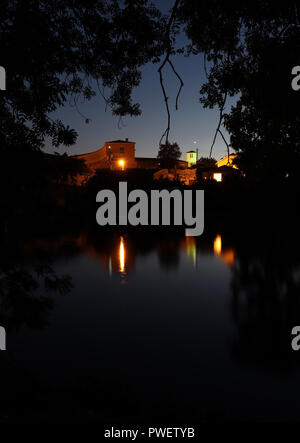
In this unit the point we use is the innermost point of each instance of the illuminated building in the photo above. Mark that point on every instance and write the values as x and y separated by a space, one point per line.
191 158
113 155
116 155
225 161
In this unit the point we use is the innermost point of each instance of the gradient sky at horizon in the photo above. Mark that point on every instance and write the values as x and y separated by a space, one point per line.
192 126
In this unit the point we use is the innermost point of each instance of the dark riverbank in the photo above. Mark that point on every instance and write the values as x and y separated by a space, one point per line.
61 209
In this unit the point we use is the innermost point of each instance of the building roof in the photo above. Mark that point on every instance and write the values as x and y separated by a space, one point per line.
120 141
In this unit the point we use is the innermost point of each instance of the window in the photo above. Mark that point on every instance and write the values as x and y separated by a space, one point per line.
122 150
217 176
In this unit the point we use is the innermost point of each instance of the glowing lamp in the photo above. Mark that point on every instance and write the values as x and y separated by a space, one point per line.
217 176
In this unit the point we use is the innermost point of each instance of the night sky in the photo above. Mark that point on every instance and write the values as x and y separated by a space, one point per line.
190 124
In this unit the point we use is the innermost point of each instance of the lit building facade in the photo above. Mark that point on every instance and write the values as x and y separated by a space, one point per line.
191 158
227 161
117 154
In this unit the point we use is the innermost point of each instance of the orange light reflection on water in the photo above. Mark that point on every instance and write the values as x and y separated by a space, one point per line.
122 255
218 245
227 255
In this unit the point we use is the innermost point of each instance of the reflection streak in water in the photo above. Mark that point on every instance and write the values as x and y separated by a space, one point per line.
218 245
122 256
226 255
191 249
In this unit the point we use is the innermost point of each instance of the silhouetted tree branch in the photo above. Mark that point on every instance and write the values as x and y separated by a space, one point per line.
219 124
161 67
181 83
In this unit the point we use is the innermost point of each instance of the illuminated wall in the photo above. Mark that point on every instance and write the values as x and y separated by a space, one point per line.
191 158
224 161
118 154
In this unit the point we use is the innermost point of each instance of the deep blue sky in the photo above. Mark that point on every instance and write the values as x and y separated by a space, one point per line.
190 124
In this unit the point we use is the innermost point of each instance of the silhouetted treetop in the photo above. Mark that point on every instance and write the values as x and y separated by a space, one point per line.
169 153
58 51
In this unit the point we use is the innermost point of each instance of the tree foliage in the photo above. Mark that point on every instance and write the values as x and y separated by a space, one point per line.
250 48
57 51
169 153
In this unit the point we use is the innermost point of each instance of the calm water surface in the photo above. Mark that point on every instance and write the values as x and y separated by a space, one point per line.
170 328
